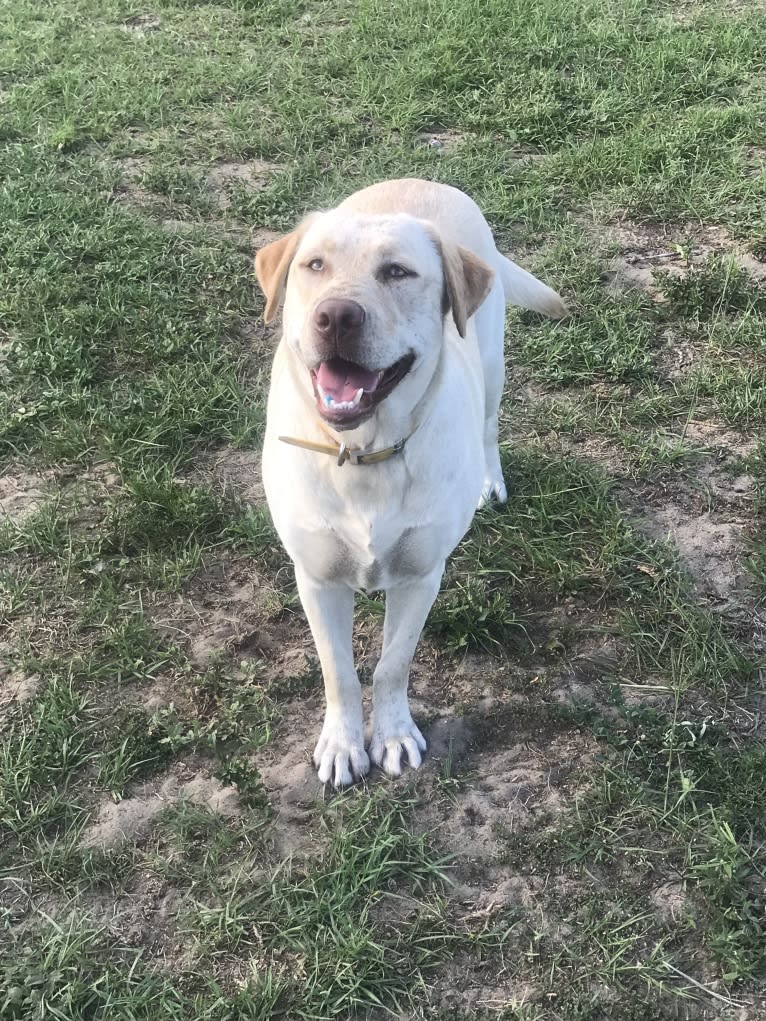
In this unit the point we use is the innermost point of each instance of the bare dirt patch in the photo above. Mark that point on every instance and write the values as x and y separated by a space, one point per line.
671 902
251 176
129 189
642 251
233 609
678 356
131 819
142 24
724 442
260 236
706 509
290 777
490 771
122 821
710 546
504 791
232 623
146 915
707 516
17 687
443 142
233 472
21 494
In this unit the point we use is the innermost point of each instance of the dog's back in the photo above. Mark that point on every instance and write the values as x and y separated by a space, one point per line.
457 217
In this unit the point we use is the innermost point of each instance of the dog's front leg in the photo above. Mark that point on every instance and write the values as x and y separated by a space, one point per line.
393 729
339 755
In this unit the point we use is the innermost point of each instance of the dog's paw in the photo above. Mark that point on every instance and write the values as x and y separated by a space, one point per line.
339 756
392 737
493 491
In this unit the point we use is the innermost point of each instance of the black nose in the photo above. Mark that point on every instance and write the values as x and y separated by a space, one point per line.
338 319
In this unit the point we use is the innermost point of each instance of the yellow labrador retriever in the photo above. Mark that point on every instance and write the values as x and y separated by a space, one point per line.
381 436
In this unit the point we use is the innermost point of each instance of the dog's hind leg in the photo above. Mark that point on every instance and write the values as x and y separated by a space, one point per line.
393 729
515 286
490 328
339 755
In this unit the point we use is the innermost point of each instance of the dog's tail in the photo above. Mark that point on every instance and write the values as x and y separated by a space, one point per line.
521 288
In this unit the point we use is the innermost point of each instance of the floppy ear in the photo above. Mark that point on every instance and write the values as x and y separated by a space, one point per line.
272 263
467 282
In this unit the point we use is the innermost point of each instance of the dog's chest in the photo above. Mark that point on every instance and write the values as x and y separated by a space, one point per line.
369 554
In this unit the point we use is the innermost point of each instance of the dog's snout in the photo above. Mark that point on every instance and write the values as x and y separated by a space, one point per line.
338 318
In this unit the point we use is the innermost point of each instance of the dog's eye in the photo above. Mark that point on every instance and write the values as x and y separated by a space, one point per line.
316 265
393 271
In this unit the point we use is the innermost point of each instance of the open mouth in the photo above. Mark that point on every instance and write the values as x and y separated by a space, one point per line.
347 393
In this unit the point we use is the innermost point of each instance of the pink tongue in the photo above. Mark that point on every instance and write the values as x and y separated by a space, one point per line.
341 379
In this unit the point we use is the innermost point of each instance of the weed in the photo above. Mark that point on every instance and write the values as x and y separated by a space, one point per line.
137 752
243 774
469 616
716 287
232 713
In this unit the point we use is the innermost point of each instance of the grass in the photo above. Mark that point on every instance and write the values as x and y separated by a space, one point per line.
356 927
352 924
688 784
563 535
149 627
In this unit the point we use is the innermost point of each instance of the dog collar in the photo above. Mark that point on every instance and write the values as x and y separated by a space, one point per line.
344 453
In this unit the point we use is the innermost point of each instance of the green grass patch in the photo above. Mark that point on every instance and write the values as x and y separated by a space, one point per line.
735 391
70 970
562 534
118 338
681 788
42 750
611 341
364 924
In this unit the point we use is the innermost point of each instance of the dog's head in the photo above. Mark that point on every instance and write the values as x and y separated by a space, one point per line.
365 298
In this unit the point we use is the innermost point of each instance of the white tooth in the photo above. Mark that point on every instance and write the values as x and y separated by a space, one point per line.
330 402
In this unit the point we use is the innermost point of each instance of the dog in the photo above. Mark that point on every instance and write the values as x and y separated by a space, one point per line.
381 432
